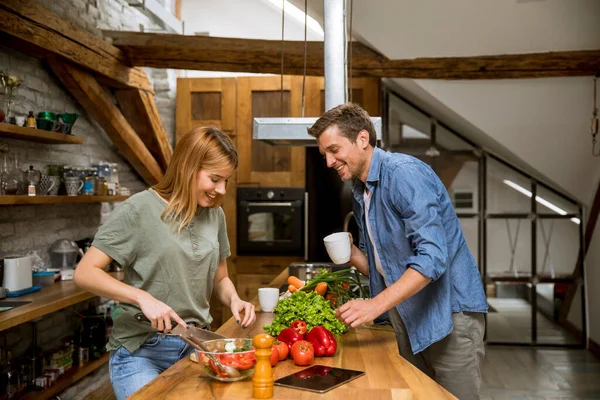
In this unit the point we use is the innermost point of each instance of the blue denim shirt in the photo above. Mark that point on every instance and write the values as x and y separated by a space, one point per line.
414 225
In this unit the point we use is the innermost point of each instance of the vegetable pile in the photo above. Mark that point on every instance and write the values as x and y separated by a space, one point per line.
303 345
333 285
309 307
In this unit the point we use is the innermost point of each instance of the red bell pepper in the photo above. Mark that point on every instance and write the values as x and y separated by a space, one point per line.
323 341
289 336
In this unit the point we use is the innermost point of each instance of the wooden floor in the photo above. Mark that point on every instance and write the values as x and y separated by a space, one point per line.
520 373
511 322
105 392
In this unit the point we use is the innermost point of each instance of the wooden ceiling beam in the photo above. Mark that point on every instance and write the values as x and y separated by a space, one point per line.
37 31
264 56
140 110
99 105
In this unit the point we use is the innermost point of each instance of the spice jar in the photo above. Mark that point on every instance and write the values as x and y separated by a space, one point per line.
31 120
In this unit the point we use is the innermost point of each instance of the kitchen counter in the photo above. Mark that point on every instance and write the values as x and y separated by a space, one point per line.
50 298
371 349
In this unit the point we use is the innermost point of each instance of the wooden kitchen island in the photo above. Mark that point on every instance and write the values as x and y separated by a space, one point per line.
370 349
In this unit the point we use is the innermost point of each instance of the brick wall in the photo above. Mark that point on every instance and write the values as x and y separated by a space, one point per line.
36 227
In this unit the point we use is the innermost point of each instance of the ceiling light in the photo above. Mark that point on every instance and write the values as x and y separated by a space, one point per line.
298 15
539 199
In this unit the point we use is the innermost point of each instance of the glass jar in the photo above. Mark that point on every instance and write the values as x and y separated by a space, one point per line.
88 184
101 187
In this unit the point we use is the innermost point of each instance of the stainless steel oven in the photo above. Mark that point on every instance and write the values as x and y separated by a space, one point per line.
272 221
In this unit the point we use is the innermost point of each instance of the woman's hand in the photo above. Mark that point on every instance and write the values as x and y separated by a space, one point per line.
238 306
159 314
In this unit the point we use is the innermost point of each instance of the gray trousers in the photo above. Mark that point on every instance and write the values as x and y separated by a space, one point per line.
455 361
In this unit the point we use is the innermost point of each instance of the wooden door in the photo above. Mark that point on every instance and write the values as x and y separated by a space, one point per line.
261 163
211 102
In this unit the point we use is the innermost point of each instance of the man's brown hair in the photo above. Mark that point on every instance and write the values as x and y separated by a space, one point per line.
350 118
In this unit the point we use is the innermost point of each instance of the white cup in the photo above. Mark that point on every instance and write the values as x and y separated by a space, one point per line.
338 247
268 298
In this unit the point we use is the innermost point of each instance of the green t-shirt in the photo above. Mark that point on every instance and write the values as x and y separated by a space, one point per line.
176 268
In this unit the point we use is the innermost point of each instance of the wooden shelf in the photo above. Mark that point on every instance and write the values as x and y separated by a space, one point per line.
11 200
51 298
69 377
37 135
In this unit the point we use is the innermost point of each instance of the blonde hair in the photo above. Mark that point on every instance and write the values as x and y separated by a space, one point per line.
200 148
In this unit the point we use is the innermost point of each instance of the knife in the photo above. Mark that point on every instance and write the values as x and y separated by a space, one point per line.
189 332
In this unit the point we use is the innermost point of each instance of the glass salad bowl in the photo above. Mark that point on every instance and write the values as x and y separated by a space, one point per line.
237 353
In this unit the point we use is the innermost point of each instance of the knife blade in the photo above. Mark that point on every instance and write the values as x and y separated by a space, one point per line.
189 332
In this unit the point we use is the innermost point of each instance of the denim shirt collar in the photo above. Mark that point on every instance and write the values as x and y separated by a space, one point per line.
358 187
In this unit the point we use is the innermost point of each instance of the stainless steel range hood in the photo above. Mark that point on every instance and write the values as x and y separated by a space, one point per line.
293 131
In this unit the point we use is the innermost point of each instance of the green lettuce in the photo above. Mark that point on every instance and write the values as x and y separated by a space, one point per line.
311 308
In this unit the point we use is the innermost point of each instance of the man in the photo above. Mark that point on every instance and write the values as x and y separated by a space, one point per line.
419 266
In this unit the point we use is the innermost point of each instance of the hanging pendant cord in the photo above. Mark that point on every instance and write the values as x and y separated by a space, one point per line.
594 122
350 53
305 51
282 44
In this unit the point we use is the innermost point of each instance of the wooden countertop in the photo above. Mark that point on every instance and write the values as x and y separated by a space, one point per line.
370 349
51 298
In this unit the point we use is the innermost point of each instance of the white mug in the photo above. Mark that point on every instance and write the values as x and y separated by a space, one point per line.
268 298
338 247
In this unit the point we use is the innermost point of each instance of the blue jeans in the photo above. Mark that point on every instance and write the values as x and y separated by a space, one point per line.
130 371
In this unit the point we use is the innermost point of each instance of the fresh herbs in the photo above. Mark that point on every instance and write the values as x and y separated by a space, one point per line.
338 284
308 307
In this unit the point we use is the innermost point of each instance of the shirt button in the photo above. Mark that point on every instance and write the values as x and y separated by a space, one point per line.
195 246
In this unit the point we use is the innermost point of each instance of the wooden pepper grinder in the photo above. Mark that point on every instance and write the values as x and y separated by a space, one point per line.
262 381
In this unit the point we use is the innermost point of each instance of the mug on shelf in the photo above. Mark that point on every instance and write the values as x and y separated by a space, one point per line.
73 185
47 184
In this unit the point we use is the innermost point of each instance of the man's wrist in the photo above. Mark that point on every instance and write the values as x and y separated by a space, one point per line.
380 304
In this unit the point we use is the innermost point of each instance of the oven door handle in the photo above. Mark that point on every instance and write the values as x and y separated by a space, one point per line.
269 204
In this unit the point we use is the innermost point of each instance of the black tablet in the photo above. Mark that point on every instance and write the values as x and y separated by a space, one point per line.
318 378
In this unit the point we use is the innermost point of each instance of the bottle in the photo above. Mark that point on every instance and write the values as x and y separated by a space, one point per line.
113 180
12 378
31 120
83 352
33 177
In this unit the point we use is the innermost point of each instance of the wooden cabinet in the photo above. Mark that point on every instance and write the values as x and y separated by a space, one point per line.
261 163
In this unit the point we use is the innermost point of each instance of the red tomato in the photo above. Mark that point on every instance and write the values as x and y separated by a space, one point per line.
274 356
283 350
239 361
299 326
303 352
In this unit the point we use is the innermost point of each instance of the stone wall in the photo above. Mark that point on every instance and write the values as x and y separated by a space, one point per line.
36 227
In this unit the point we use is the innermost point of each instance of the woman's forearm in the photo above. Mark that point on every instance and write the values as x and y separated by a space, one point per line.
101 283
225 291
90 275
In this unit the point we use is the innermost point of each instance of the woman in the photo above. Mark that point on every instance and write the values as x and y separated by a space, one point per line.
171 241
